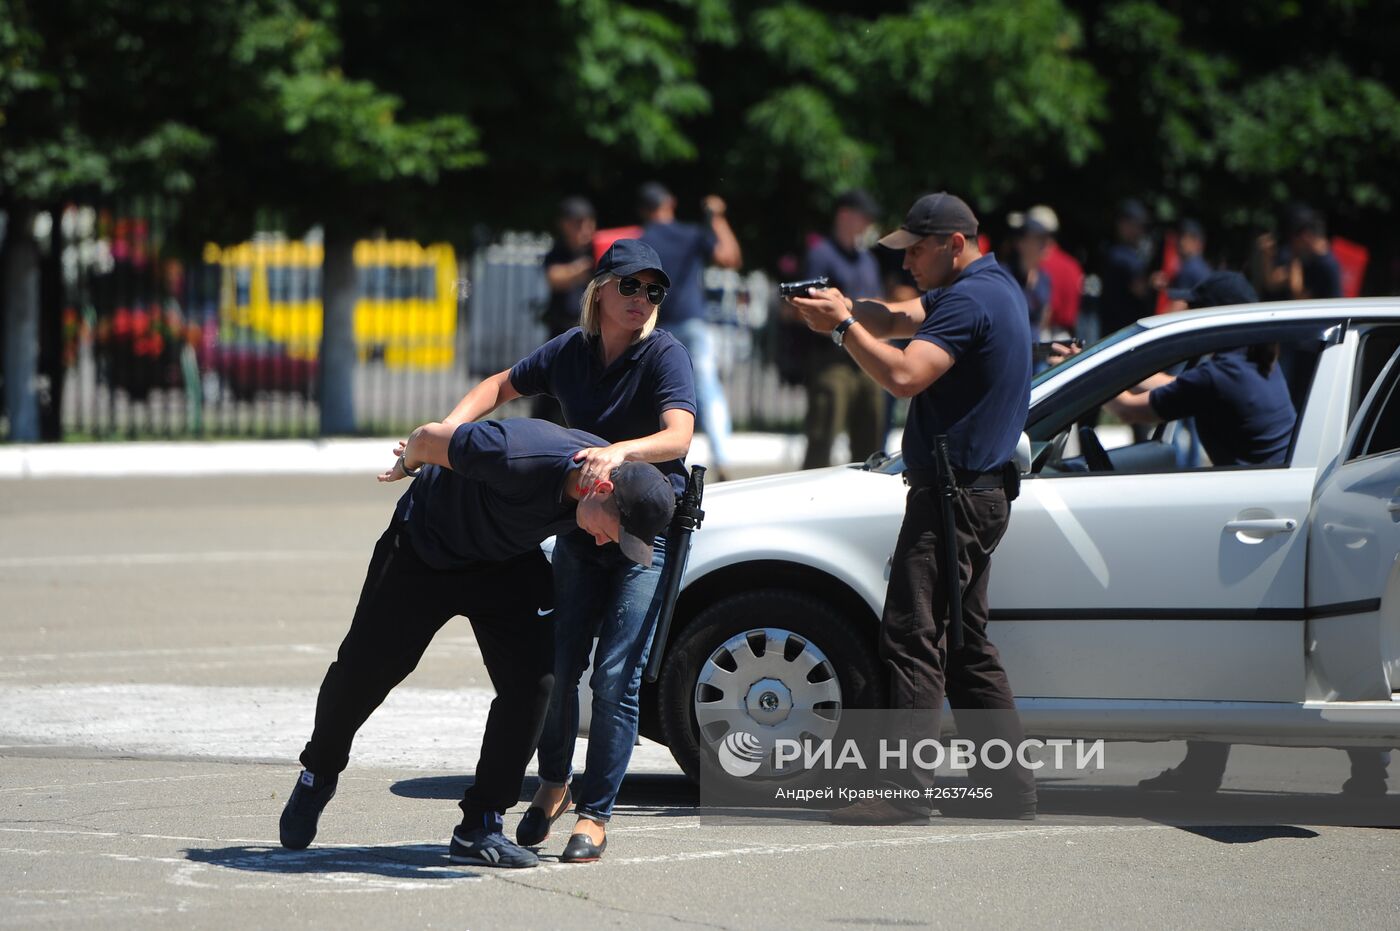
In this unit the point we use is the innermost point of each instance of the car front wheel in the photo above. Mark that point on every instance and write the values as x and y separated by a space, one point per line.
757 667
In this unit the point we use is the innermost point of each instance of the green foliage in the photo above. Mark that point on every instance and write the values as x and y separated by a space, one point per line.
448 115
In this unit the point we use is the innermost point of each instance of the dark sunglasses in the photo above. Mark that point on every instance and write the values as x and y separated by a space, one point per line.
630 286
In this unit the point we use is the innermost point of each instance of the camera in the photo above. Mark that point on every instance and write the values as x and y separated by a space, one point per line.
800 288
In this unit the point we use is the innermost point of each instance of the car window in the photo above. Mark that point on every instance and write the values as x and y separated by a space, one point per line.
1111 340
1377 346
1380 428
1090 440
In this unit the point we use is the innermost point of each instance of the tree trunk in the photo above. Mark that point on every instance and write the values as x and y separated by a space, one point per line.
19 294
336 380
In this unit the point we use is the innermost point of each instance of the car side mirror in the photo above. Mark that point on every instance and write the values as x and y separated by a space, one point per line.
1022 457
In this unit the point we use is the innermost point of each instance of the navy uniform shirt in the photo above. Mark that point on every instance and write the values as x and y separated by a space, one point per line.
623 401
982 401
563 308
1124 264
1192 271
503 496
684 249
1243 416
1322 276
857 274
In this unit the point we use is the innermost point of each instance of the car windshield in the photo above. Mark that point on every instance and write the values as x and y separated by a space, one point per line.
1109 340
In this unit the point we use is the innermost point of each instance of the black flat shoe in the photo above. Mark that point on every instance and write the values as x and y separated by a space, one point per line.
534 826
580 849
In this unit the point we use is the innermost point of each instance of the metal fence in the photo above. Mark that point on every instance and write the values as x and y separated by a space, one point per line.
155 343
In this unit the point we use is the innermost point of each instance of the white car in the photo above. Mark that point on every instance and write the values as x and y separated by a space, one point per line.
1131 598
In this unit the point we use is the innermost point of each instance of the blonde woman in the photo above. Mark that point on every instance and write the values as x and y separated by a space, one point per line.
617 376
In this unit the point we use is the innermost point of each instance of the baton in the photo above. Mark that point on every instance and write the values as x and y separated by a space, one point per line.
686 521
947 493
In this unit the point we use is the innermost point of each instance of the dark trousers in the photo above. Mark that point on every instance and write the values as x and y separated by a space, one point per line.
403 604
913 635
841 396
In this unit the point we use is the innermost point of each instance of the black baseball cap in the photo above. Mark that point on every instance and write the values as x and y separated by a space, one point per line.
629 256
1132 209
575 208
652 195
1219 289
933 215
859 201
645 501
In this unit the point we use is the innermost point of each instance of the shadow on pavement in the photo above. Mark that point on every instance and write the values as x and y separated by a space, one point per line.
401 861
656 792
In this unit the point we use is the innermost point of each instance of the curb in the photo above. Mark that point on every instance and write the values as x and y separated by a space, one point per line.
748 451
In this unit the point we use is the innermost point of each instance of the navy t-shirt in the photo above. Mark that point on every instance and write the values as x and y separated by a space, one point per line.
684 249
982 401
1124 264
1192 271
503 496
1243 416
563 308
857 274
623 401
1322 276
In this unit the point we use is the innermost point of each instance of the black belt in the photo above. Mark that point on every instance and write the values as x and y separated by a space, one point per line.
928 478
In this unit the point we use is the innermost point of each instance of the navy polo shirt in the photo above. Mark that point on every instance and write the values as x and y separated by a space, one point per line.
503 496
1118 305
684 249
1322 276
982 401
1243 416
1193 270
623 401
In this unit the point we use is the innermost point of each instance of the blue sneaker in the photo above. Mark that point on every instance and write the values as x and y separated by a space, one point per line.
309 797
486 847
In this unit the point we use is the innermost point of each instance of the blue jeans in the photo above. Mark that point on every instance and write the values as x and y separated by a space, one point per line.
598 593
697 339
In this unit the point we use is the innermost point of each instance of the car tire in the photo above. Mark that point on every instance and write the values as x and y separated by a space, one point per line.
847 642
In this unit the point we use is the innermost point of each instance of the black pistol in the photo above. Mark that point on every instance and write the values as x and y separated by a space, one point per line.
800 288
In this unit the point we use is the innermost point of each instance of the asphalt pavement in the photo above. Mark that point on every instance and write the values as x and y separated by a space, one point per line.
161 643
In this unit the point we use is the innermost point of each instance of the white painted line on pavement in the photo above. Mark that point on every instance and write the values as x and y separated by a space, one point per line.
415 728
170 559
113 782
910 840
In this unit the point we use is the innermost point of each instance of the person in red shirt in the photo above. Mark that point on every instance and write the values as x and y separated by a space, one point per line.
1066 275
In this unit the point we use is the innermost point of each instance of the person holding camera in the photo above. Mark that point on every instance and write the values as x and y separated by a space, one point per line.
967 369
616 375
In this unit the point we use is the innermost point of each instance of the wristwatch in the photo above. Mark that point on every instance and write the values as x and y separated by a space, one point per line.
838 335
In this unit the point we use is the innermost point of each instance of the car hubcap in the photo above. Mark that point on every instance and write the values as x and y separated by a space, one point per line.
770 683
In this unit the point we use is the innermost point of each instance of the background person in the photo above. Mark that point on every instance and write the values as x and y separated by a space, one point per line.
1066 275
1192 267
685 249
968 370
1126 296
568 267
839 396
465 540
620 377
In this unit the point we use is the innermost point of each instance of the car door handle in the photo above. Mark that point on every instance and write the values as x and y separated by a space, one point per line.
1393 505
1262 525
